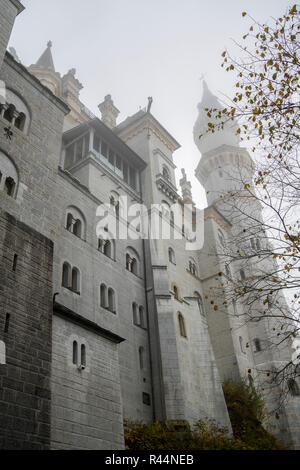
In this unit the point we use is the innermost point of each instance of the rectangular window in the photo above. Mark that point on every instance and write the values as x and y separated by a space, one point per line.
96 143
104 149
86 145
125 172
132 178
118 168
79 149
69 156
111 158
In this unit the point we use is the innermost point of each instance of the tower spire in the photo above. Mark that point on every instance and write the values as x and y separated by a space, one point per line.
46 59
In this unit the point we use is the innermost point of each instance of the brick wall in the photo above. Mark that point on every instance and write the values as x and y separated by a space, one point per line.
26 295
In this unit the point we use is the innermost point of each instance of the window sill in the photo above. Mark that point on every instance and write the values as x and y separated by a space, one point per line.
71 290
108 310
74 234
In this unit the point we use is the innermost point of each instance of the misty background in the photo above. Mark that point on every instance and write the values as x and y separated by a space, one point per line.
133 49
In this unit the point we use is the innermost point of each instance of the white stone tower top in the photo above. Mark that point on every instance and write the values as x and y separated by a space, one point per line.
208 142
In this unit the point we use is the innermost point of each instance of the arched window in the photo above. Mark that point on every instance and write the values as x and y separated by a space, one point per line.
135 313
83 355
171 253
9 176
66 275
75 222
134 266
192 267
166 173
252 242
141 357
258 246
9 113
181 324
234 306
77 228
103 290
227 270
293 388
141 317
176 292
132 261
75 280
15 111
20 121
200 303
221 237
111 300
75 352
257 345
242 274
242 345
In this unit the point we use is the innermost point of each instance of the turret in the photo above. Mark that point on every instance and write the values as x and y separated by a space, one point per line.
224 166
109 112
44 70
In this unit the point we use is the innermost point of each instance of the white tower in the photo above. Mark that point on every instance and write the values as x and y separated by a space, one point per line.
224 169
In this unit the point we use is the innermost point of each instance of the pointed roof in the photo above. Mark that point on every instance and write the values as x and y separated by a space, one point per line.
46 60
210 141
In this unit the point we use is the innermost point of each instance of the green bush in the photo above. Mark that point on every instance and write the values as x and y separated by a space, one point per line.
246 411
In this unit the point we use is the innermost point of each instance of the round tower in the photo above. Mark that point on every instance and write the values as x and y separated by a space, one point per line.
224 165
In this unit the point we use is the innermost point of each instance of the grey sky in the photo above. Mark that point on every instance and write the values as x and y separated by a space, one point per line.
133 49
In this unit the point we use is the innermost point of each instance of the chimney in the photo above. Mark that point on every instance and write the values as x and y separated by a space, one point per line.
109 112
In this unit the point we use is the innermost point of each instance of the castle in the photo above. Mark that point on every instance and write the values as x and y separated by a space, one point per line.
92 330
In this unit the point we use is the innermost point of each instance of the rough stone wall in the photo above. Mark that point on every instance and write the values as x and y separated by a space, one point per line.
26 296
86 404
8 13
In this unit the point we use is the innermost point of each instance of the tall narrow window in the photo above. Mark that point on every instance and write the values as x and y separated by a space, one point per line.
83 355
176 292
75 352
181 323
75 280
242 274
111 300
134 266
66 274
141 357
257 345
77 228
103 295
135 313
141 316
15 260
171 255
241 345
6 326
200 303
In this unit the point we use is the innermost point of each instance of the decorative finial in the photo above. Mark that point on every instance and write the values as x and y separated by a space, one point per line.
72 72
49 44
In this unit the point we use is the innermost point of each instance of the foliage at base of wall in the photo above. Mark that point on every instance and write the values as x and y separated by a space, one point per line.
246 411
